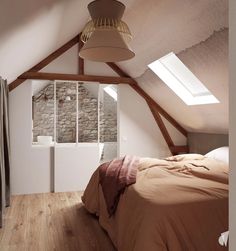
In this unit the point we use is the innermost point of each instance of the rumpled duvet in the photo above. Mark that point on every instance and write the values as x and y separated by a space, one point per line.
177 204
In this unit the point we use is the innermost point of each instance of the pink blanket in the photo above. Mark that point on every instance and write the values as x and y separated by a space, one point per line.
114 177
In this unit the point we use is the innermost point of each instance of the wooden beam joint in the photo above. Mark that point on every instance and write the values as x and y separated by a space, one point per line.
179 149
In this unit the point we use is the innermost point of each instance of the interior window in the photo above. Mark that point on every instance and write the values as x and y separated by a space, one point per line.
42 112
72 112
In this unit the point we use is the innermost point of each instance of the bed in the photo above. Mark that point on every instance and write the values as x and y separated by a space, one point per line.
177 204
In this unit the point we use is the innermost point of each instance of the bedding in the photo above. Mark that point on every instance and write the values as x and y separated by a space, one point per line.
177 204
114 177
221 153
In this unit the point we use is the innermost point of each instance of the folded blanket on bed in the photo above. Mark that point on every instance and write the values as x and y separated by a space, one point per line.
114 177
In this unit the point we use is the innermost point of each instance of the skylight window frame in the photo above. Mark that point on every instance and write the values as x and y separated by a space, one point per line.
174 79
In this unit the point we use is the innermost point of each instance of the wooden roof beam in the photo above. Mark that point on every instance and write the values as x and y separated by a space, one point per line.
76 77
80 60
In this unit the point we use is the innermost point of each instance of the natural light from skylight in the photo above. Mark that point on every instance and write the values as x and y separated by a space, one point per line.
111 91
182 81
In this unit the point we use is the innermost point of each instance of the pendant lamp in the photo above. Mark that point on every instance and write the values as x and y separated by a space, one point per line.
106 36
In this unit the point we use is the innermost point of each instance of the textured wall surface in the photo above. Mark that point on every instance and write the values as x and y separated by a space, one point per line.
43 114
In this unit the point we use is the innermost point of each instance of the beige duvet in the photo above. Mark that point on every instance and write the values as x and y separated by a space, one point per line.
180 204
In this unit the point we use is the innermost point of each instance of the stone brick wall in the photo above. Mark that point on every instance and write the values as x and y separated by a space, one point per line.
43 114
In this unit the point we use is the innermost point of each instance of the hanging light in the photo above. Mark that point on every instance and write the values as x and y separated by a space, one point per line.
106 36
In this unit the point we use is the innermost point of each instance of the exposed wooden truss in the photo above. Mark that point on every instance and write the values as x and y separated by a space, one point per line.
123 78
76 77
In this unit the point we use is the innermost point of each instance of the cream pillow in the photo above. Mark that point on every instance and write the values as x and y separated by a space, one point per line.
221 154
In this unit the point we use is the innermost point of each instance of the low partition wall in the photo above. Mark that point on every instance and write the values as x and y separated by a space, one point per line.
74 165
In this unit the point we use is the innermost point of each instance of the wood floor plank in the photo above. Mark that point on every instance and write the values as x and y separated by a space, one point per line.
18 227
51 222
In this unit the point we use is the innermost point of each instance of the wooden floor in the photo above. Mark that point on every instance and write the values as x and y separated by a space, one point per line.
45 222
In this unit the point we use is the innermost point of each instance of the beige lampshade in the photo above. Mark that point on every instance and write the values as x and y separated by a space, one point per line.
111 9
106 45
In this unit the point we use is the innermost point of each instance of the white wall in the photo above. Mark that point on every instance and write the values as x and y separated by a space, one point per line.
138 132
30 166
74 165
232 129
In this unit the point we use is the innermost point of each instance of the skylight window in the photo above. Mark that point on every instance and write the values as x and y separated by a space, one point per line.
182 81
110 90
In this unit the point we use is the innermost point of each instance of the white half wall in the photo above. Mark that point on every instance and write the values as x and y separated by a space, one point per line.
30 166
74 165
138 132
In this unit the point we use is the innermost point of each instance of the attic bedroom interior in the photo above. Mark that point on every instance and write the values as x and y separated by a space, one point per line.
117 125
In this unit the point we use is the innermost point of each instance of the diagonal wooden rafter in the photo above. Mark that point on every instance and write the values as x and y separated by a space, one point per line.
46 61
150 101
162 127
173 149
156 110
166 115
81 60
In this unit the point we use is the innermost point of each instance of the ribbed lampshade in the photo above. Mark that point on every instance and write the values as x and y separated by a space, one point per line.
106 36
106 46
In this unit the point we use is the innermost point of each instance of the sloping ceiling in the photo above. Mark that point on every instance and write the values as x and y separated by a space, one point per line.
195 30
208 60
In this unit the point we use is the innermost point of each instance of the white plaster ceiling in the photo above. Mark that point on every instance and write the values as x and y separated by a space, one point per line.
161 26
30 30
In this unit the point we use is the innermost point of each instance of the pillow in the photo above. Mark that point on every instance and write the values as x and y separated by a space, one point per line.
221 154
